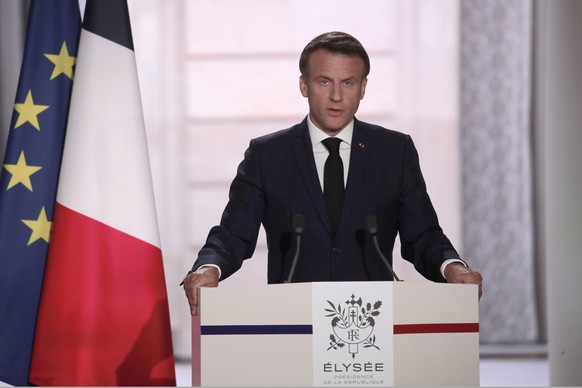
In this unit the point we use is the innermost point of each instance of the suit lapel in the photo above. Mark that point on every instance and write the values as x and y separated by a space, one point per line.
358 162
303 151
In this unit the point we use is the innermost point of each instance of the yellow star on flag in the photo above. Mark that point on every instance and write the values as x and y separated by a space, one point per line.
29 111
41 227
63 62
21 172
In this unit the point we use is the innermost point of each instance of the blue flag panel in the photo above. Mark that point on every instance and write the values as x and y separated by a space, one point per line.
29 175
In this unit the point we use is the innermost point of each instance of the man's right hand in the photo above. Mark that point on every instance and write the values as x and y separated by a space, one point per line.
202 277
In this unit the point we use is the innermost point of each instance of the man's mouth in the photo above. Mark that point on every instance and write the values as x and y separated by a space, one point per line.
335 112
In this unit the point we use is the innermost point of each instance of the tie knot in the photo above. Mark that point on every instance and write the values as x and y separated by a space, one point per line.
332 144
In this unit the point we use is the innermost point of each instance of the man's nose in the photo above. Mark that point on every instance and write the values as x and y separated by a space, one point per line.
336 93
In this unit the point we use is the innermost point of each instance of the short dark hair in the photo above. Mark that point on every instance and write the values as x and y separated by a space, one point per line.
335 42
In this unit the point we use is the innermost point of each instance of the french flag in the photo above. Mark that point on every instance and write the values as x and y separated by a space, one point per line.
104 316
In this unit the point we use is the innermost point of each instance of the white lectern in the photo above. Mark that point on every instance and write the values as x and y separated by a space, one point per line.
337 334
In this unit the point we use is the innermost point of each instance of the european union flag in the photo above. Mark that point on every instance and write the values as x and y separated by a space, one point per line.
29 175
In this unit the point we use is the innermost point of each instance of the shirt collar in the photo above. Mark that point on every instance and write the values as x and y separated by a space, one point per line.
317 135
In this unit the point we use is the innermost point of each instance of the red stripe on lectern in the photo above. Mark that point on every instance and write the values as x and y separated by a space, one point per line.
436 328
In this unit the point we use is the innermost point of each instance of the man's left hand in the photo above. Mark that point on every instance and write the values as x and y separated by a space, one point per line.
459 273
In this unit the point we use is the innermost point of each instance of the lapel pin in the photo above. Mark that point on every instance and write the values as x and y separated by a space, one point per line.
361 145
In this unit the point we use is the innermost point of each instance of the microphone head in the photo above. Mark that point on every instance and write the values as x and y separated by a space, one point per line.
298 223
371 224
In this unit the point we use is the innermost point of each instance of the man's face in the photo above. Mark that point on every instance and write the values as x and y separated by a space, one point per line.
333 87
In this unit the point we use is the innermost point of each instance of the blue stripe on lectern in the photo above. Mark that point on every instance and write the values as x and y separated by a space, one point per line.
256 329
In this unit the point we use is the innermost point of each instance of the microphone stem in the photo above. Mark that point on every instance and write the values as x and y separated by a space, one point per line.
384 258
298 237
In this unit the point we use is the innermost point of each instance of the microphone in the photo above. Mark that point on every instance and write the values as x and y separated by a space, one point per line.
298 226
372 227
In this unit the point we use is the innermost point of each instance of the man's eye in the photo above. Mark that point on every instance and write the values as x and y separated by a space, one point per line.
348 82
324 82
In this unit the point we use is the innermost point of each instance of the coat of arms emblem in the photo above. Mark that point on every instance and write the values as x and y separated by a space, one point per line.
353 325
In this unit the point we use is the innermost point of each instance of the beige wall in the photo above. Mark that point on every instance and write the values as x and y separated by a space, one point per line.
561 117
215 73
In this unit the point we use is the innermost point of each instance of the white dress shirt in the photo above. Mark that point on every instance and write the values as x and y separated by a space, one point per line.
320 152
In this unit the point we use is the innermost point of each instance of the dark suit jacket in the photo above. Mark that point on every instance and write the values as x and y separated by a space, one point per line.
278 179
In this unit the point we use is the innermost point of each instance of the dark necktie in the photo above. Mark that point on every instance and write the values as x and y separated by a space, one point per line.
333 181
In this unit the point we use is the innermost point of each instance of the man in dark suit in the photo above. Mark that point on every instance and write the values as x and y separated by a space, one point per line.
292 171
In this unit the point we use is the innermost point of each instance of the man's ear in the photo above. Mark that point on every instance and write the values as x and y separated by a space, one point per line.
303 86
363 91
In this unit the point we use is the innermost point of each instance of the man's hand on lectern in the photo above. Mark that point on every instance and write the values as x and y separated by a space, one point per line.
203 277
459 273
